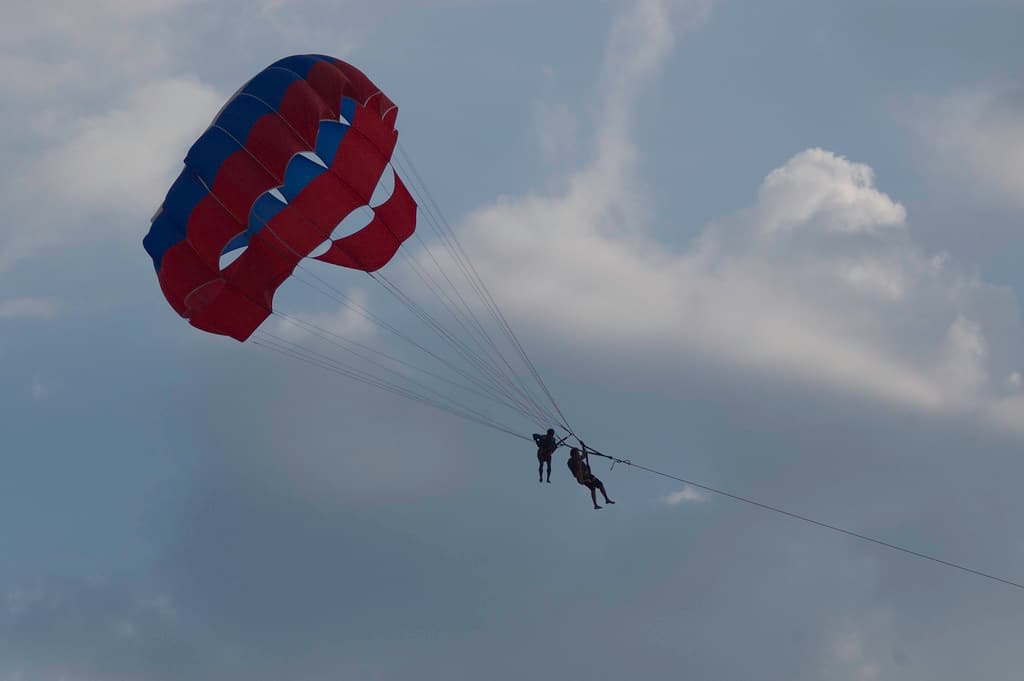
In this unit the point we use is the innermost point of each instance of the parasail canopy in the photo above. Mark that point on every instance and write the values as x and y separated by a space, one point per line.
295 151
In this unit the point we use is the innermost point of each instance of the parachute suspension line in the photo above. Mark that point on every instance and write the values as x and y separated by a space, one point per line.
464 305
439 328
810 521
486 344
452 339
453 248
467 312
460 261
258 161
507 386
492 372
383 386
293 351
297 351
489 341
364 356
448 236
328 362
488 349
481 337
497 391
338 296
459 346
347 344
454 310
310 356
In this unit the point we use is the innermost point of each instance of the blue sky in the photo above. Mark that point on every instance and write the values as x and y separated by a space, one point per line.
772 247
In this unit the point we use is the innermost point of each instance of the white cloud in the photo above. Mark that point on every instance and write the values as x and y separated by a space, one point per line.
21 75
763 298
966 355
819 280
978 135
815 192
57 49
28 308
1008 413
687 495
850 660
124 159
114 165
874 277
96 108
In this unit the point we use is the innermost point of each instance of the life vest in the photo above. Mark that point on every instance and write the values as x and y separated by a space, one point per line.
546 444
580 470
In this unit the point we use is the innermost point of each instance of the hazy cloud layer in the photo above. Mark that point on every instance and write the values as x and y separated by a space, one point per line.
978 136
185 507
759 288
28 308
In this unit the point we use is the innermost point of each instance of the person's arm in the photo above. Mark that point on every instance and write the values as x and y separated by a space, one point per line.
586 459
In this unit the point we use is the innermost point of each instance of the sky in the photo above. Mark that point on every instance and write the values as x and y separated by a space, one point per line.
769 247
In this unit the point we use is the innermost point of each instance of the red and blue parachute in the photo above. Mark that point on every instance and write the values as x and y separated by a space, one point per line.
303 145
296 150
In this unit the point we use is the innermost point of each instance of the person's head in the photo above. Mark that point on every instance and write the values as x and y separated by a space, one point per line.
551 432
574 453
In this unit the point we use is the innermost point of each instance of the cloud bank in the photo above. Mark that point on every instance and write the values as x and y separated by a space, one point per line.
819 280
977 136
